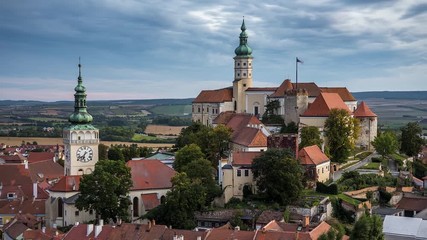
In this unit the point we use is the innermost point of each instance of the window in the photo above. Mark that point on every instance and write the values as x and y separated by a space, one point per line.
244 74
11 195
250 64
238 74
318 170
322 170
238 64
91 212
244 85
235 106
246 172
198 110
213 111
256 110
239 173
60 208
244 64
135 207
1 221
207 109
77 213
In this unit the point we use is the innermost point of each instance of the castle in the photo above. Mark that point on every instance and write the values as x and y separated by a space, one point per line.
305 104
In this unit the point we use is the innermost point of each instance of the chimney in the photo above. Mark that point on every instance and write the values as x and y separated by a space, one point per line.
43 229
237 228
101 222
153 222
199 237
98 229
149 226
89 229
76 223
26 164
54 226
35 190
306 221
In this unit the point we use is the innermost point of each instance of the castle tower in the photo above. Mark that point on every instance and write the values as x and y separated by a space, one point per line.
296 102
242 71
368 125
81 139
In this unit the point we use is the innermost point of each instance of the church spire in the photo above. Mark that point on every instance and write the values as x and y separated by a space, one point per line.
80 114
243 50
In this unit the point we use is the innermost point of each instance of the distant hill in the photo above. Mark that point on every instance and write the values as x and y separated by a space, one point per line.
171 101
410 95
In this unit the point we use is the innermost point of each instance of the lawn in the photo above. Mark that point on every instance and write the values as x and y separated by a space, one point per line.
139 137
372 165
348 199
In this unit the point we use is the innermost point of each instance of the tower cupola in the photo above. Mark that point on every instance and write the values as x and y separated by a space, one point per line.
80 114
243 50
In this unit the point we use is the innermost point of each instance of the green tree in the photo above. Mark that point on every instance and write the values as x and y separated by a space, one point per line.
103 151
368 228
191 134
278 175
292 127
182 201
115 153
411 140
105 190
310 136
270 115
385 143
186 155
341 131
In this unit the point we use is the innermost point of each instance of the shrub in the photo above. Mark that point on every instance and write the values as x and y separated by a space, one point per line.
376 159
322 188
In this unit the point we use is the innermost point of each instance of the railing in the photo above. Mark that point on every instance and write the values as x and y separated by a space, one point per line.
84 141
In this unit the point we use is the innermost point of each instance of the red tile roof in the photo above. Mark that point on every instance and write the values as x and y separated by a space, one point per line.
268 215
227 234
241 120
36 207
224 117
215 96
187 234
49 234
342 91
244 158
323 104
42 170
40 156
150 174
15 230
250 137
311 87
16 176
16 158
363 111
412 203
150 201
280 91
67 184
312 155
80 232
261 89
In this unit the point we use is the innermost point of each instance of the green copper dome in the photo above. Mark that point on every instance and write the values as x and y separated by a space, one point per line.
80 114
243 50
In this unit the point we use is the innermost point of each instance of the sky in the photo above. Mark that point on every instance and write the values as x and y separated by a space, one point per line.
141 49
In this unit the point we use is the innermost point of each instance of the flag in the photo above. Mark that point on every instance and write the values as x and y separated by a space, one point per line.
299 61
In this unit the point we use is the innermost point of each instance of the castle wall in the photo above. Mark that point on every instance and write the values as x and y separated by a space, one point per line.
295 104
207 112
368 132
256 99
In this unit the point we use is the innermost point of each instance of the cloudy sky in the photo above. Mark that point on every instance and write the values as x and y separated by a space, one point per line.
140 49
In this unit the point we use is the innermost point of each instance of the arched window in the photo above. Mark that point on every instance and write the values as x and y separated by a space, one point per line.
135 207
235 106
80 172
60 208
162 199
88 171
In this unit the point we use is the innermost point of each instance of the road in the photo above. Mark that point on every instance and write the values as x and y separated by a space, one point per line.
337 175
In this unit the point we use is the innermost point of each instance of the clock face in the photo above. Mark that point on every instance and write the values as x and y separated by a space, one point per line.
84 154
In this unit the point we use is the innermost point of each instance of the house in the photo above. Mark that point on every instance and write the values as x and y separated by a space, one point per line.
151 181
412 204
404 228
387 211
267 216
315 163
237 176
248 132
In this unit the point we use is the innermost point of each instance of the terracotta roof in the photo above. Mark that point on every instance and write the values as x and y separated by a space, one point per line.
312 89
40 156
215 96
67 184
151 174
323 104
268 215
225 234
36 207
223 117
15 229
261 89
363 111
312 155
244 158
187 234
412 203
48 234
342 91
150 201
137 231
15 176
250 137
16 158
322 228
280 91
39 171
241 120
80 232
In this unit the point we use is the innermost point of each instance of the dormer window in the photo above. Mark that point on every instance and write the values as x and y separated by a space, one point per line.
11 196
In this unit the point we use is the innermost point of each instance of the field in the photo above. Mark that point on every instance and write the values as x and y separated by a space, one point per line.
174 110
372 165
16 141
163 130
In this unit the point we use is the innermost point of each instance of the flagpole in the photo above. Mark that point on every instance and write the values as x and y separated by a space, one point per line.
296 72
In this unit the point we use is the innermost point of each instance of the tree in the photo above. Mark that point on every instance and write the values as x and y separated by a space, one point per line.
411 141
310 136
342 131
368 228
385 143
103 151
105 190
186 155
115 153
270 115
292 127
182 201
278 175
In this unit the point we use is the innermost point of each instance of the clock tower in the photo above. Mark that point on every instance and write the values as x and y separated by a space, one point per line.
81 139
